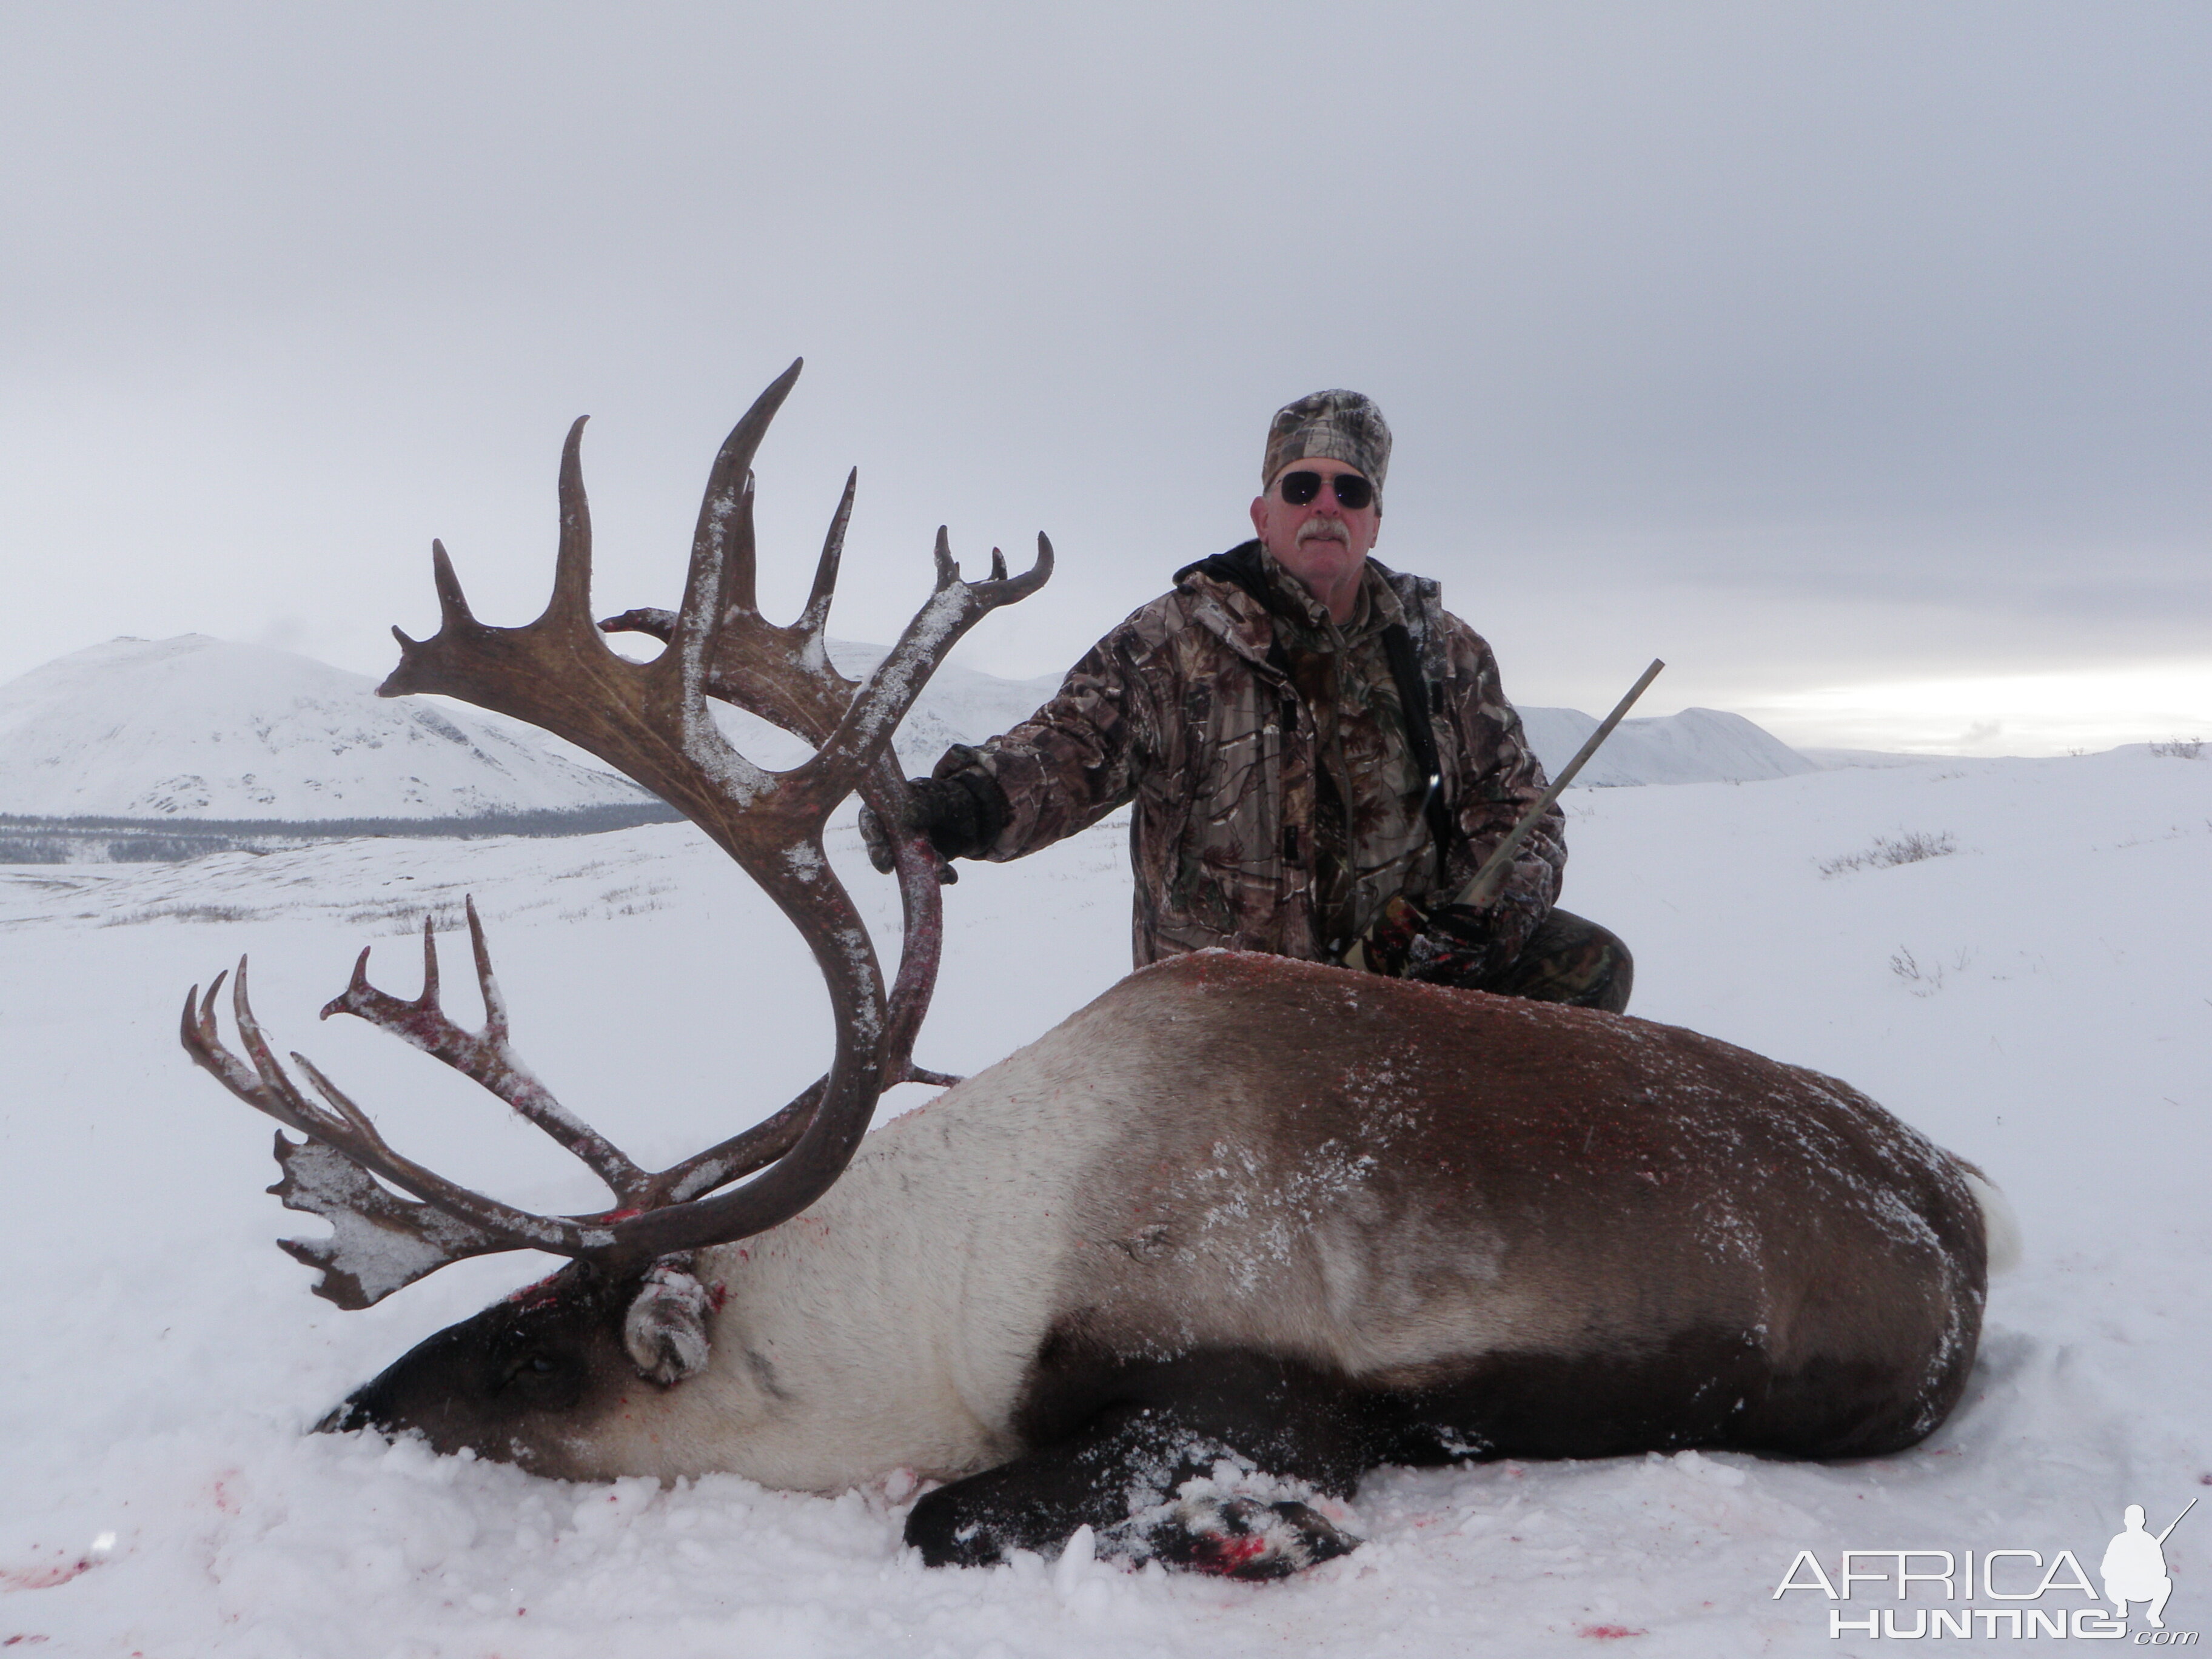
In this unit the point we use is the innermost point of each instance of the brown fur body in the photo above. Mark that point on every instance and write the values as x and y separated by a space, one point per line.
1415 1186
1310 1219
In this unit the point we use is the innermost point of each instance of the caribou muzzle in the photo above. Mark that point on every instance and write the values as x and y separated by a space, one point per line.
514 1380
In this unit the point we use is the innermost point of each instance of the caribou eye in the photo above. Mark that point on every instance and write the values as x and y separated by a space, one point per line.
541 1376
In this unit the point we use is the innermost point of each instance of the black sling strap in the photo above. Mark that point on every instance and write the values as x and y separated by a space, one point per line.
1419 699
1414 695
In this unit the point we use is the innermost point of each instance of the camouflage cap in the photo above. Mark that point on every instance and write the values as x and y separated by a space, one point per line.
1336 426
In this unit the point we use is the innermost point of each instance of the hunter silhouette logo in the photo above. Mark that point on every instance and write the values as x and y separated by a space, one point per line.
2013 1584
2134 1567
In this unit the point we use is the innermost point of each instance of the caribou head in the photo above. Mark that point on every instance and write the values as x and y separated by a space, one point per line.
627 1317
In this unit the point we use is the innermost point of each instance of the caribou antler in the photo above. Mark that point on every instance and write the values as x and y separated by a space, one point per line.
486 1056
649 719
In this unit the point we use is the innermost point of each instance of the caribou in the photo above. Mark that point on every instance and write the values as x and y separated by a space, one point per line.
1182 1269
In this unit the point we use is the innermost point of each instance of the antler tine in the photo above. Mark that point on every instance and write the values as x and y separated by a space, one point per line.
921 876
747 1152
648 619
486 1057
739 590
955 607
274 1085
355 1119
494 1003
204 1043
724 538
816 617
453 604
572 563
1001 590
719 599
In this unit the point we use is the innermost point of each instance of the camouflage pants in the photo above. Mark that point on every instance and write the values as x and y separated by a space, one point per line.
1568 959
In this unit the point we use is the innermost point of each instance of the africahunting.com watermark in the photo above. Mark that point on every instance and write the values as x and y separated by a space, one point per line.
2000 1593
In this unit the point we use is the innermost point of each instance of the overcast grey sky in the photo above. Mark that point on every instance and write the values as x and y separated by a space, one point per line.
1854 357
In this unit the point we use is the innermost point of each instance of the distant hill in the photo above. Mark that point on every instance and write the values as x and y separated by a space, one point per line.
1699 746
162 748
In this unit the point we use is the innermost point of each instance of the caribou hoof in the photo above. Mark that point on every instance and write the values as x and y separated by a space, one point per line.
949 1538
1243 1538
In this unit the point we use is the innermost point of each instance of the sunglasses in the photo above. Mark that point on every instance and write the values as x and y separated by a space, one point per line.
1352 492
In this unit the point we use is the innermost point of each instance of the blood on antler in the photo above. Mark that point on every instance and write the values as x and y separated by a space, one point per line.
651 720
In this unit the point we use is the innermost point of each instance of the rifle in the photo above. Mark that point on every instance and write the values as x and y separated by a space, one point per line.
1483 886
2177 1520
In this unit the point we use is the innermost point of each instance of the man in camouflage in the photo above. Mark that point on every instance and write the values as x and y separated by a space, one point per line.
1318 750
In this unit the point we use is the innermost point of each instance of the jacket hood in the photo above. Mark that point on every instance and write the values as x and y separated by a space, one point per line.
1240 592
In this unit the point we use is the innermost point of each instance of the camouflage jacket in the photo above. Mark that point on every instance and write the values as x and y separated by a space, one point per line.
1229 718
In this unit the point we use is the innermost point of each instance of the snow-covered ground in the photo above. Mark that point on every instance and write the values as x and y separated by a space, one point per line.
2037 996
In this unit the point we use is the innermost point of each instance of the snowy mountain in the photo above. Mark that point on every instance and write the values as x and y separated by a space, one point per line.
194 728
1699 746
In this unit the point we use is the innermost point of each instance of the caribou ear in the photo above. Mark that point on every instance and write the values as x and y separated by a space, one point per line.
666 1329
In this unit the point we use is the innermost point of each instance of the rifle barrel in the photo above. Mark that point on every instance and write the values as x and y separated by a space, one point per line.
1480 889
2177 1520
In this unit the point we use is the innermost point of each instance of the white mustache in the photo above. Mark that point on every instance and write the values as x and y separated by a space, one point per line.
1322 530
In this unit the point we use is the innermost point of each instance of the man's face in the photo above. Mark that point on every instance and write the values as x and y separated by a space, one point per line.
1323 543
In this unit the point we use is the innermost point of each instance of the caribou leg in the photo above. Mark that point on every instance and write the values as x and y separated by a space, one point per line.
1115 1443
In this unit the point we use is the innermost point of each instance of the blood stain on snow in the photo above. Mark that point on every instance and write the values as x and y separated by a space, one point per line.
30 1578
1609 1632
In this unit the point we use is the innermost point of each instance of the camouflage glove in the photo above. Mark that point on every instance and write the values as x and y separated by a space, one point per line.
947 810
1457 945
1452 945
1391 936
